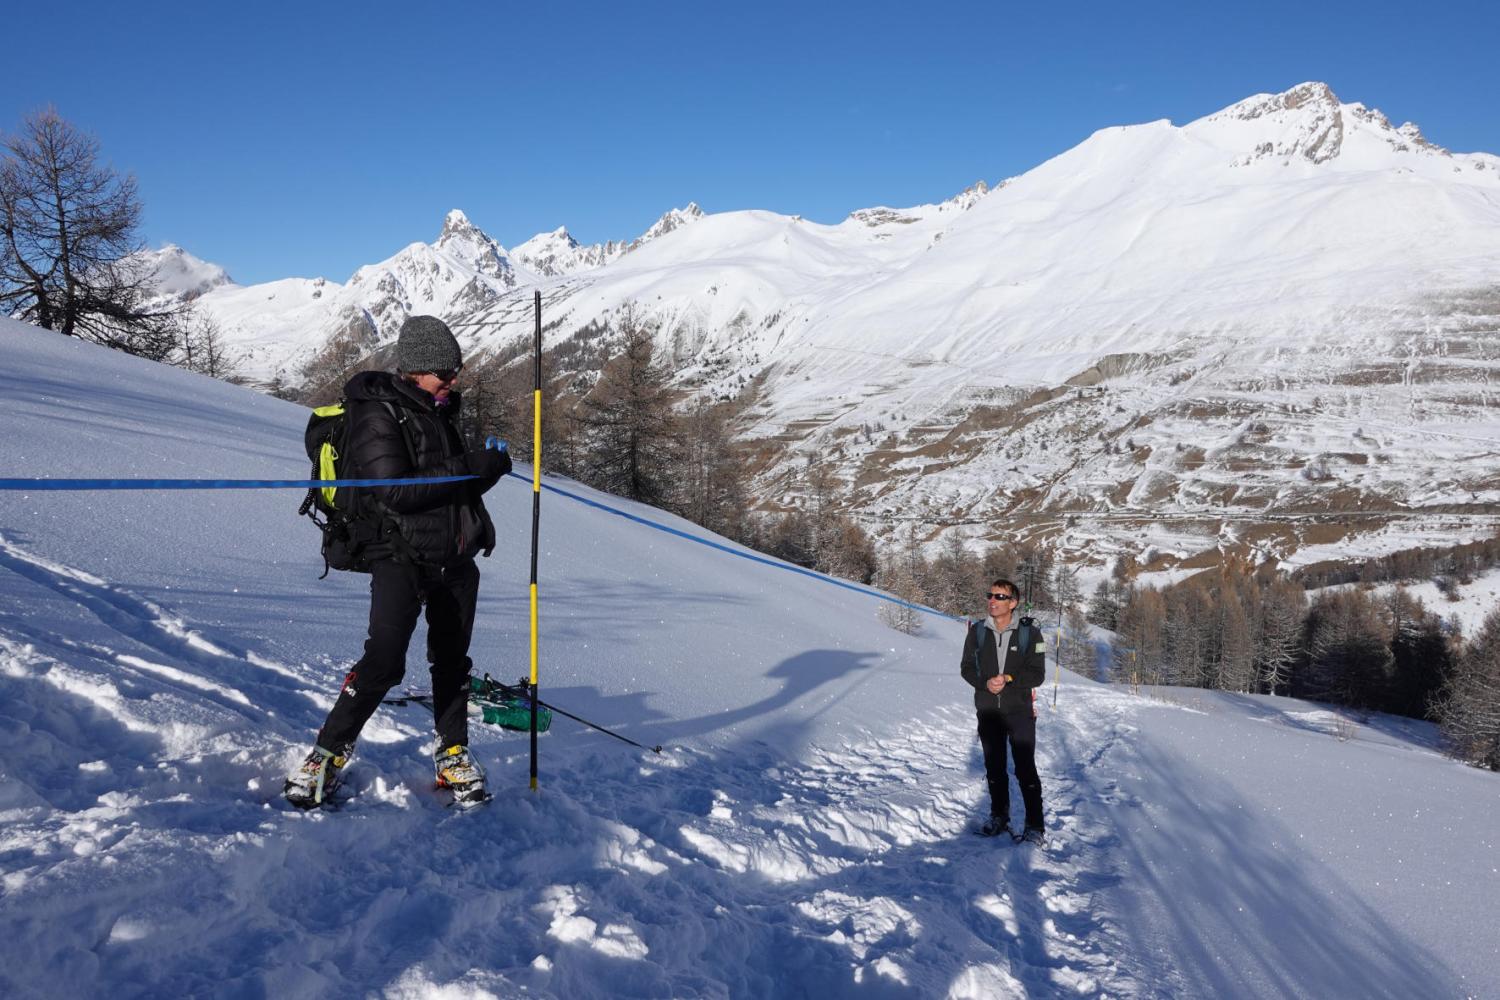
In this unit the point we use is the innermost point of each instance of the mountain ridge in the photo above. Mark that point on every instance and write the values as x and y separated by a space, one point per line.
1291 262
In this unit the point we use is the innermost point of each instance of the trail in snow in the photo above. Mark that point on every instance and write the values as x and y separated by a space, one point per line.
852 869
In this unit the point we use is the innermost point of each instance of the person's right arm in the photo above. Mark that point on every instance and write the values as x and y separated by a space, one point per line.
966 665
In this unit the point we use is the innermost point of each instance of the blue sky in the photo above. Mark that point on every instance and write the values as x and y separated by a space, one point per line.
306 140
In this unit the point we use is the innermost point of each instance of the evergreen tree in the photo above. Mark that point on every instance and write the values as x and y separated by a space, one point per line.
1468 709
1421 654
1349 655
1104 606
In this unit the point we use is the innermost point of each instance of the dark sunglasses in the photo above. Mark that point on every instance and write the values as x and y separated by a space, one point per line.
446 375
1000 597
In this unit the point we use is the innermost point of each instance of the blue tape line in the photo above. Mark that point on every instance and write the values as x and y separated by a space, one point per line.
41 485
33 485
763 560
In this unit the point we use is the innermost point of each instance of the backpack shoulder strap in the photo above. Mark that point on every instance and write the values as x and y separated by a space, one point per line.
400 415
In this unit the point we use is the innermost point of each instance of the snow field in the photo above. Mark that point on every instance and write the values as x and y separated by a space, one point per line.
165 659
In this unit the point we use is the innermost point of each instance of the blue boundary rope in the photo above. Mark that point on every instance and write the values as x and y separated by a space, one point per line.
763 560
39 485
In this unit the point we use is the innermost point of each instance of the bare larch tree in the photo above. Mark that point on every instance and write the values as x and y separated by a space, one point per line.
68 242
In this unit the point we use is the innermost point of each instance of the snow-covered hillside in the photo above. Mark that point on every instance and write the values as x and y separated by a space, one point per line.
1188 338
164 657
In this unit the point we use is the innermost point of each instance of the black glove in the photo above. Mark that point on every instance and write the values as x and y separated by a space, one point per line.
488 464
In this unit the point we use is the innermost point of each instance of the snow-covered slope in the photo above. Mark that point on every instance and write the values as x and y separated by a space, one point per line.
1285 308
165 656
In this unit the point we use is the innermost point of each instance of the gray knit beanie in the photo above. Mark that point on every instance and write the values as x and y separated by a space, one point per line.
427 345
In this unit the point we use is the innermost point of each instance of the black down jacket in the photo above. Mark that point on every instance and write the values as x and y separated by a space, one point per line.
1027 668
441 523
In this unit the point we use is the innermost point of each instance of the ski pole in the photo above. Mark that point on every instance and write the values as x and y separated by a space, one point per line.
519 691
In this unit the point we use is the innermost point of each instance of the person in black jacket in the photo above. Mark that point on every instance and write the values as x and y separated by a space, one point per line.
425 537
1004 661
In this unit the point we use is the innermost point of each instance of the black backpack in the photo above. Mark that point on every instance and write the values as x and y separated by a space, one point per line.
351 518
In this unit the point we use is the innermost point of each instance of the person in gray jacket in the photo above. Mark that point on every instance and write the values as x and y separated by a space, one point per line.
1004 661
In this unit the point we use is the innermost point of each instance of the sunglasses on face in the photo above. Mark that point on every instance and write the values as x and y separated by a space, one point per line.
446 375
1000 597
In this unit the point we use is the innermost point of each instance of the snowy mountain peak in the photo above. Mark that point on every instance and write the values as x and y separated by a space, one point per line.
177 272
473 247
966 199
1306 121
1309 124
558 253
674 219
457 227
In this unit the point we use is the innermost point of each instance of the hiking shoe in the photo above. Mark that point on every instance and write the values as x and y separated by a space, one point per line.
1034 835
460 773
315 779
994 827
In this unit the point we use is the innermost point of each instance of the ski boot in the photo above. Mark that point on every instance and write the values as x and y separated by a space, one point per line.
460 773
1033 835
316 779
994 827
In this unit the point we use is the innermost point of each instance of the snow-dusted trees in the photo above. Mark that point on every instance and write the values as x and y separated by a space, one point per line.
68 236
1468 708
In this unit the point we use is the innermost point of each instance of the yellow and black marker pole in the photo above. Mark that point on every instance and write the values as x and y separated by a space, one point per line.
536 516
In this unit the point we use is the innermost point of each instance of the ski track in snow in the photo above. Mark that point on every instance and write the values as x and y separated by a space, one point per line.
163 858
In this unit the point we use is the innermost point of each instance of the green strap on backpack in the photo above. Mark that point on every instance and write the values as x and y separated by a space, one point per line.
351 518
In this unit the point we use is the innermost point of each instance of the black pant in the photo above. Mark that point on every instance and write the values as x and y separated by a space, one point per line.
1019 728
397 592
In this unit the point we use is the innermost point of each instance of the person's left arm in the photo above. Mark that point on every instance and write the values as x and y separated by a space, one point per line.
1030 667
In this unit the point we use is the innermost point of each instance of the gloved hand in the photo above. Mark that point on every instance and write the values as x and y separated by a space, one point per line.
488 464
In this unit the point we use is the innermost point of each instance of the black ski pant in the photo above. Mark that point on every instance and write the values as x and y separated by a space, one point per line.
398 592
1018 728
